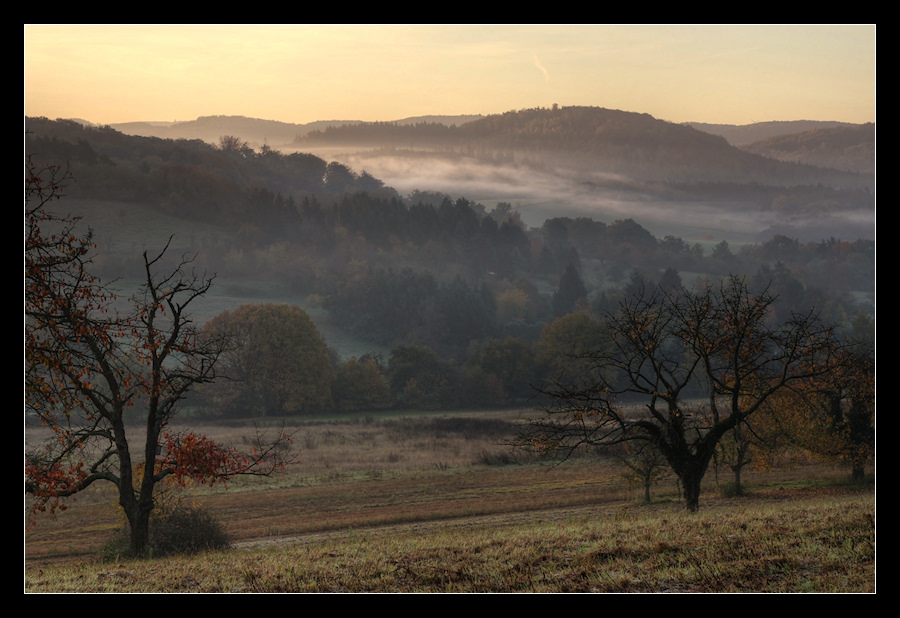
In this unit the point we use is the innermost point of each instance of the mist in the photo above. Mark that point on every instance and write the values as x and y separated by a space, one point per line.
541 195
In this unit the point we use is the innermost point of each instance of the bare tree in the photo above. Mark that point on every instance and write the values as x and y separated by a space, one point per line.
645 465
108 380
684 368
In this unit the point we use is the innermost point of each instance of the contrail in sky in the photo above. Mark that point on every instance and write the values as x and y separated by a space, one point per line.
540 67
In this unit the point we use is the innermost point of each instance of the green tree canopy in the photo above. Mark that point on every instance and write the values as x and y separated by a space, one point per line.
568 344
360 384
512 364
417 376
279 363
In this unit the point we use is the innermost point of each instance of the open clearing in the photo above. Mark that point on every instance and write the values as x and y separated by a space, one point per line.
389 503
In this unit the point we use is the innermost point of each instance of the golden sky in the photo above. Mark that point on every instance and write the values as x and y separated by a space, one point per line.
734 74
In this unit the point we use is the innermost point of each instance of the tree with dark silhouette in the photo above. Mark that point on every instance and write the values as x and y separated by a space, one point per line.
683 369
571 294
106 373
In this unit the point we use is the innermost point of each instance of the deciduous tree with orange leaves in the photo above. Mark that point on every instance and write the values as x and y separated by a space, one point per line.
106 373
834 418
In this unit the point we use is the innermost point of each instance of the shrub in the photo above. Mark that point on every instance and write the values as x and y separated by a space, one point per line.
185 530
731 489
502 458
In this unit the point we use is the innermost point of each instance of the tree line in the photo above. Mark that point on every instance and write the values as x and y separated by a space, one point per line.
316 211
672 157
283 367
94 368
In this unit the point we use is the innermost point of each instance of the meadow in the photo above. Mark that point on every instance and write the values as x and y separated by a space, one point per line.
437 503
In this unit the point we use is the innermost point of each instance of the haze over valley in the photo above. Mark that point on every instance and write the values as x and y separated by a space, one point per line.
550 172
450 308
617 193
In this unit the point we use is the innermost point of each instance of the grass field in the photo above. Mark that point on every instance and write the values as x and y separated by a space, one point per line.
434 503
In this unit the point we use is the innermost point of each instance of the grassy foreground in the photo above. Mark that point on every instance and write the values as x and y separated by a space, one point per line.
431 513
815 541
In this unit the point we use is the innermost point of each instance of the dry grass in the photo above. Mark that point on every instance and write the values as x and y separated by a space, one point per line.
387 504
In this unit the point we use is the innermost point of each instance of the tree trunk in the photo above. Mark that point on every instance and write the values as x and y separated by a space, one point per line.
690 481
859 471
690 467
135 508
137 512
738 488
139 525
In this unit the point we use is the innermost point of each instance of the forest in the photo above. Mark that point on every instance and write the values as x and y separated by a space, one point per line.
197 309
589 141
444 290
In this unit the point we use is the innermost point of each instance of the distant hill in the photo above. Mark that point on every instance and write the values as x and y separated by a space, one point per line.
634 144
450 121
741 135
563 161
584 142
849 148
254 131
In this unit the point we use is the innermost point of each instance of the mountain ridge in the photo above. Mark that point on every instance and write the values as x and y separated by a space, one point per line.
255 131
742 135
583 161
848 148
755 138
587 141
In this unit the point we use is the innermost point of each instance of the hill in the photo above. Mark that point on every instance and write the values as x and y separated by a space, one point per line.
447 274
848 148
211 128
583 141
587 144
546 163
609 164
254 131
743 134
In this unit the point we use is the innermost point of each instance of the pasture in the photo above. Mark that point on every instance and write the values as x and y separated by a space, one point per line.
436 503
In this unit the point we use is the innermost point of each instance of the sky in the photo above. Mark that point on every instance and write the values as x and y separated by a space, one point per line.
730 74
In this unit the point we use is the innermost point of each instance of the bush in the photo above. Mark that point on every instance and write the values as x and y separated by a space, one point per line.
502 458
186 530
731 489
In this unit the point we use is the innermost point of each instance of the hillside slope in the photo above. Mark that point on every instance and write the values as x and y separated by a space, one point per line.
743 134
575 162
585 143
846 148
256 132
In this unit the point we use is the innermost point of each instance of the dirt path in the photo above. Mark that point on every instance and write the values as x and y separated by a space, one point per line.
474 521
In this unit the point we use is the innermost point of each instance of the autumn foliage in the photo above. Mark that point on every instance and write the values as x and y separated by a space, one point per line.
684 368
833 419
99 365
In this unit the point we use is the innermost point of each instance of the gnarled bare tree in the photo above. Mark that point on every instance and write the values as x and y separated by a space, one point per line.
684 368
106 374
